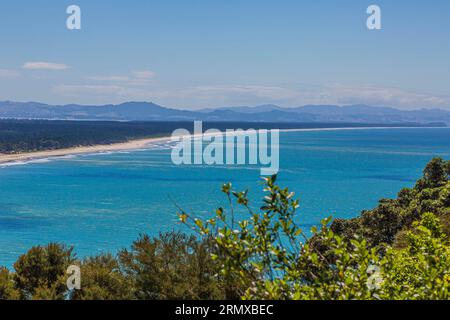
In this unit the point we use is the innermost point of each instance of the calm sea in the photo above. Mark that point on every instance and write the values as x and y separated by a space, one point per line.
101 203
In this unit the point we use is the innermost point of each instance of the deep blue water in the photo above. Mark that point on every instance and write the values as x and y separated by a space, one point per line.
101 203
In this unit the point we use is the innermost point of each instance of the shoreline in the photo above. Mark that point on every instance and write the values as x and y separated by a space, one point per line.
140 144
82 150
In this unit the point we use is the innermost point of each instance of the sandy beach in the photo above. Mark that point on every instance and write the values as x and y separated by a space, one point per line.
130 145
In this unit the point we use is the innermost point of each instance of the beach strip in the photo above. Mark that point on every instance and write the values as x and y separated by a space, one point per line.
142 144
123 146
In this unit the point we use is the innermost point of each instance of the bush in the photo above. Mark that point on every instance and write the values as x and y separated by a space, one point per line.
7 290
102 279
41 272
173 266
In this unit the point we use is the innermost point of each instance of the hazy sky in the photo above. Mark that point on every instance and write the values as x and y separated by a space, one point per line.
207 53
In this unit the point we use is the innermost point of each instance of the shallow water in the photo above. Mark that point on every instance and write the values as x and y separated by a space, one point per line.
101 203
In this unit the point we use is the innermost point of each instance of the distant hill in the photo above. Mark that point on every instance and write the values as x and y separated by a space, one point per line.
146 111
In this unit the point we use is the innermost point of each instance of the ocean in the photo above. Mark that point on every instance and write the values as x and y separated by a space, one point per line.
102 202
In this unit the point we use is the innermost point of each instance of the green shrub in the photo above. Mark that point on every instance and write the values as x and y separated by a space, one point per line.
41 272
172 266
7 290
102 279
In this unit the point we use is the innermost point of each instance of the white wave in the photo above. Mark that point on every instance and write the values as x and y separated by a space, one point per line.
36 161
21 163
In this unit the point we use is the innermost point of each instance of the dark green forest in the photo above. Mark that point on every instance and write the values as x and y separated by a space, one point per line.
399 250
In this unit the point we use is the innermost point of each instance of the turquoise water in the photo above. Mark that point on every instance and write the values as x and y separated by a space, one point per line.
101 203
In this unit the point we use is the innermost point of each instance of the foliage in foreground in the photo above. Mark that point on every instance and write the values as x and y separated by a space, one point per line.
272 258
399 250
171 266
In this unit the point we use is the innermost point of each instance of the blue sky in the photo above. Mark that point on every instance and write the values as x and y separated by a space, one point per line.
208 53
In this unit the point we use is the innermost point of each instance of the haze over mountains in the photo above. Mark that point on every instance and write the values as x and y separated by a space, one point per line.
146 111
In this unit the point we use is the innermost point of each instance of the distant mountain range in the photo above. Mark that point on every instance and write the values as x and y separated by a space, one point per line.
146 111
